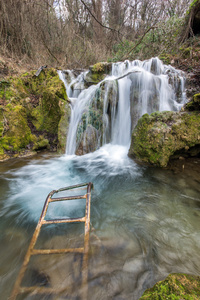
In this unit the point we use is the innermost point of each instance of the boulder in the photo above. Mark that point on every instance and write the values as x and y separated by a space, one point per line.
164 135
97 73
32 112
89 142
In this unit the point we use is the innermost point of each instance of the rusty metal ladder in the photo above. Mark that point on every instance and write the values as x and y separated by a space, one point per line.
18 289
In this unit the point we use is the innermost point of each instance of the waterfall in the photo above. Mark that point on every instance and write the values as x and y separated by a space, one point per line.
107 112
122 125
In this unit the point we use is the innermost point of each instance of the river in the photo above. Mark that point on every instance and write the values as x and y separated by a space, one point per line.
145 222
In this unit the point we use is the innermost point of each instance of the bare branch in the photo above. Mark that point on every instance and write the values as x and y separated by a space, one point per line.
107 27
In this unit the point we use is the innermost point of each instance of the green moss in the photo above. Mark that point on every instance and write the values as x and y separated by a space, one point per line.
101 67
1 121
159 136
40 143
98 68
63 125
18 134
186 52
31 111
175 287
193 105
165 57
94 78
97 72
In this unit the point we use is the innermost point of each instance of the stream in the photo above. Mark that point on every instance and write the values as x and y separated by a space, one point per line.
144 220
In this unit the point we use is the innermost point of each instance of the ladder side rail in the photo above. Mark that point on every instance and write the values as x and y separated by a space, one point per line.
86 243
22 271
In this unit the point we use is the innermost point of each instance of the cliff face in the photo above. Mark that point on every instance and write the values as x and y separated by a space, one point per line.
32 112
165 135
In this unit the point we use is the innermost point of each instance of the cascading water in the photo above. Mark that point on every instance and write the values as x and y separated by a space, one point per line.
145 221
131 90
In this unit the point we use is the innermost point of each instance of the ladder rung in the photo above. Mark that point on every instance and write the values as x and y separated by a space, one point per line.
68 220
34 290
72 187
67 198
57 251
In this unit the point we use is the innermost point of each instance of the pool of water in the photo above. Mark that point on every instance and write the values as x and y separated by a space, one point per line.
145 223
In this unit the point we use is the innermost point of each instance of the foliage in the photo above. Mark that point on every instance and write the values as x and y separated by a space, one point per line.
157 42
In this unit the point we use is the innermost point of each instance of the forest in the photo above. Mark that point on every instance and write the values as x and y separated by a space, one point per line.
78 33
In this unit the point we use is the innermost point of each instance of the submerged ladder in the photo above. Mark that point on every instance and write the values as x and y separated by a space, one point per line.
18 289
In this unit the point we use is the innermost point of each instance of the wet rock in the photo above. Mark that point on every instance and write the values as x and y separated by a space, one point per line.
165 135
89 142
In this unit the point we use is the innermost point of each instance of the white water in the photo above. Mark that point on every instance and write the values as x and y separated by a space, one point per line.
122 126
131 90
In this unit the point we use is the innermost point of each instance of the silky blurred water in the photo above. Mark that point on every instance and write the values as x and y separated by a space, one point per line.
145 223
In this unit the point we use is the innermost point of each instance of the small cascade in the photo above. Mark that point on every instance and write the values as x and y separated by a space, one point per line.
122 123
108 111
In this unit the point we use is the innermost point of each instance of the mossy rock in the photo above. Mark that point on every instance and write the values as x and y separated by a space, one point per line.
63 125
162 135
41 143
193 105
16 134
31 110
101 67
175 287
97 73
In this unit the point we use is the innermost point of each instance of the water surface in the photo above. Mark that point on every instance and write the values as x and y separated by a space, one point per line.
145 223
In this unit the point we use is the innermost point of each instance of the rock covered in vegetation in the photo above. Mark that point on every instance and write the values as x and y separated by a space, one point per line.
194 104
97 73
176 287
164 135
31 113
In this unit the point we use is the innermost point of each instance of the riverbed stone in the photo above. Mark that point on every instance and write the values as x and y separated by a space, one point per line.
164 135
